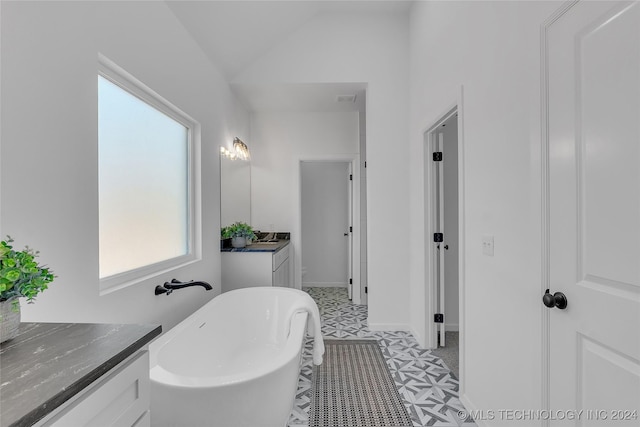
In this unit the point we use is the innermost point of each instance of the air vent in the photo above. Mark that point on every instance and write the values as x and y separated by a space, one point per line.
346 98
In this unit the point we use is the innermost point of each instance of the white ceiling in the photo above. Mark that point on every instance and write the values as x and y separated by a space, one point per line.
235 33
307 97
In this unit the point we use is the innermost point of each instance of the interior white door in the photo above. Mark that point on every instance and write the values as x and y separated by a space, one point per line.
439 166
349 179
451 223
593 95
324 225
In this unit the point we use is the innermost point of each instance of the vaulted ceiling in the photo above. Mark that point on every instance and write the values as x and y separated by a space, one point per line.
233 34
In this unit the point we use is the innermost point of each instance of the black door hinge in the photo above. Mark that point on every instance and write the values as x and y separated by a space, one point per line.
366 289
351 281
437 156
438 237
438 318
350 229
351 177
365 164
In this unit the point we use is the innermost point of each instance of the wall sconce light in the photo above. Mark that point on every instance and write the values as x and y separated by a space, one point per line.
242 151
227 153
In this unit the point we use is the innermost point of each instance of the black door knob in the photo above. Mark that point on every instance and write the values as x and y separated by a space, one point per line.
558 300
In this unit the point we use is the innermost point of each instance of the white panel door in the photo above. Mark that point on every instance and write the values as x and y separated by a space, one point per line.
437 146
349 180
324 223
441 270
593 92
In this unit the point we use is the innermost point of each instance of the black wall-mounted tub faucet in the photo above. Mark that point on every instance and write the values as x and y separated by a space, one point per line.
174 284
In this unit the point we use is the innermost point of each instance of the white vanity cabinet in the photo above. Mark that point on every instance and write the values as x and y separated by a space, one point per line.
76 374
121 398
250 268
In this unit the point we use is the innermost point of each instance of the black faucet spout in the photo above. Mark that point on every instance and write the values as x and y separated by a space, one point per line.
177 284
169 287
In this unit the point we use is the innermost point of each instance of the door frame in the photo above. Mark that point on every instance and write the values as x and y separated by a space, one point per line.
354 160
545 200
430 280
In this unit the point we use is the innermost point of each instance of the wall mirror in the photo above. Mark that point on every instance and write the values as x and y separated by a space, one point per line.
235 190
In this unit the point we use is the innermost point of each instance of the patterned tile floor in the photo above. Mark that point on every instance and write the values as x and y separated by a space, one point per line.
429 390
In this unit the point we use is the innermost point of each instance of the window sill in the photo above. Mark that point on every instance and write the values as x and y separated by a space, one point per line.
118 282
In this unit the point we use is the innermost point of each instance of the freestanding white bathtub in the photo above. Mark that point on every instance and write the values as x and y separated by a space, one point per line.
235 362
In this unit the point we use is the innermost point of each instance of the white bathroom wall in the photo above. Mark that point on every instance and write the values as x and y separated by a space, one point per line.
49 145
324 221
493 50
372 49
279 141
1 233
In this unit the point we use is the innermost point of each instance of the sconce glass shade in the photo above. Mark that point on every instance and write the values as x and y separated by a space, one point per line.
242 151
228 153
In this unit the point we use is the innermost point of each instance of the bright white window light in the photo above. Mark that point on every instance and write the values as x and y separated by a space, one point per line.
144 185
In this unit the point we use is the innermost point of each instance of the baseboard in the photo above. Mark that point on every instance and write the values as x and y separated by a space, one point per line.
389 327
323 285
454 327
471 408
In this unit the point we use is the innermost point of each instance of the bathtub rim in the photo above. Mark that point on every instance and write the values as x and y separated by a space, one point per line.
291 350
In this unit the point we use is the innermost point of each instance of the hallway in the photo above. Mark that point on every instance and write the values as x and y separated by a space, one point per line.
424 382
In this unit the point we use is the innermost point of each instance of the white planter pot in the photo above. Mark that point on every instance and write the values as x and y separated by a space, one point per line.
9 320
238 242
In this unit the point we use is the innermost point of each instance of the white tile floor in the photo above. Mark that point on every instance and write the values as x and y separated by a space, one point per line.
427 386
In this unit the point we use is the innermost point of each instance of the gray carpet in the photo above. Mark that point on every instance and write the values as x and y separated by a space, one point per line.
354 388
450 354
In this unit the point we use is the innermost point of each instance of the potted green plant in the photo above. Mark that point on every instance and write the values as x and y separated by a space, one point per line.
239 232
20 276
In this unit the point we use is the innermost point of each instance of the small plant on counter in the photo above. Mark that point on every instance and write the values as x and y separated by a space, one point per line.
238 229
20 274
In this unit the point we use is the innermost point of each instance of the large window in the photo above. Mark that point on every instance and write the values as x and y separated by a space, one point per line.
145 181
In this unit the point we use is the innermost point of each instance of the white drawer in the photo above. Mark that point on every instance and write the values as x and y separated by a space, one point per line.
120 399
279 257
144 420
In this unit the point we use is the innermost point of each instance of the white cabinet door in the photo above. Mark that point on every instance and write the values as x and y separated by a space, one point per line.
246 270
252 269
593 52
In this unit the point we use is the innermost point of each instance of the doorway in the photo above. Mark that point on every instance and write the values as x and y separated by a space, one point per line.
442 166
327 224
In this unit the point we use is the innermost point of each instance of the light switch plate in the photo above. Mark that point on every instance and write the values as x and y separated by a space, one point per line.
487 245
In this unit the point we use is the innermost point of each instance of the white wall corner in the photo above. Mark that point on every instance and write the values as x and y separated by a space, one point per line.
420 336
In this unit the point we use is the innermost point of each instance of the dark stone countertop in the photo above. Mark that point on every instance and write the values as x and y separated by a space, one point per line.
49 363
259 247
